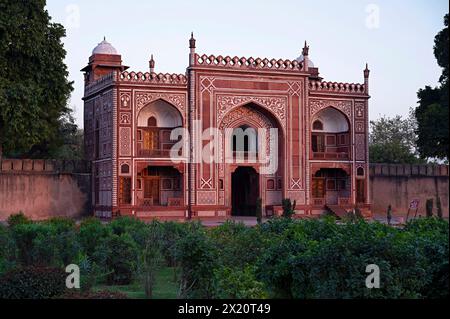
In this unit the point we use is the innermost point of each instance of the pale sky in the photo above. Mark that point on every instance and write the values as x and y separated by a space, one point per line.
394 36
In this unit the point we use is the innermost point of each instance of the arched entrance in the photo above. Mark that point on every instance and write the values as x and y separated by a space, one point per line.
244 191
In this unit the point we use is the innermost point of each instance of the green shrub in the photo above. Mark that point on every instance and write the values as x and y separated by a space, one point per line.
288 207
45 244
134 227
151 258
17 219
235 283
319 259
117 256
7 250
101 294
172 232
91 233
238 245
32 283
197 257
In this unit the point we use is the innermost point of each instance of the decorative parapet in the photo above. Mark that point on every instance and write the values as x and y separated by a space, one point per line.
379 169
335 87
44 166
157 78
247 63
100 83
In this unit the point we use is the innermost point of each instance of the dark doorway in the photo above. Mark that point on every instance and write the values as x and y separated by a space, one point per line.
244 191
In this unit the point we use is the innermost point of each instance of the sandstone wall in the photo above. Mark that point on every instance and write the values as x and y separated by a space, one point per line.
44 188
399 184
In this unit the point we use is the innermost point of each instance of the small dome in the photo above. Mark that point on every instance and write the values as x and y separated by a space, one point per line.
301 58
104 47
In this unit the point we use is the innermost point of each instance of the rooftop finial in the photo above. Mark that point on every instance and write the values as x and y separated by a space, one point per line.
152 63
366 71
192 41
305 50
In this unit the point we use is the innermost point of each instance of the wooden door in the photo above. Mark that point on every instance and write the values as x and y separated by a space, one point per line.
151 189
318 188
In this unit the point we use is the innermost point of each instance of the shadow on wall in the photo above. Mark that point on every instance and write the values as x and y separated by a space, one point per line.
45 188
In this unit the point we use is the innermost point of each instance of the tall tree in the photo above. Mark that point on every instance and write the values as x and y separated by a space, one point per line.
432 112
34 89
393 140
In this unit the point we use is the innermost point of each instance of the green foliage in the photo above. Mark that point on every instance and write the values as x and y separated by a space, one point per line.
34 89
283 258
288 207
393 140
117 254
32 283
52 243
433 110
7 250
101 294
238 245
91 233
236 283
197 257
319 259
16 219
136 228
151 258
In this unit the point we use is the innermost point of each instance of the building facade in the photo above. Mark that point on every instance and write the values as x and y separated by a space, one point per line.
228 136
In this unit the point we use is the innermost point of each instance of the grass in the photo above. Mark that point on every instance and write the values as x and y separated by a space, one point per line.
165 287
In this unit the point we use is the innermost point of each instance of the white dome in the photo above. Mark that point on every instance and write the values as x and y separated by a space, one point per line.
310 63
104 47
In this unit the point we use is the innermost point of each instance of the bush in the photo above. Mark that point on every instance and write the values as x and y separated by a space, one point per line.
238 245
91 233
17 219
150 258
101 294
51 243
235 283
117 256
32 283
134 227
319 259
197 257
7 250
288 207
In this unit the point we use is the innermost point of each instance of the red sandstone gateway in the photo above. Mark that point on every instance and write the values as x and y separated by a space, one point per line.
321 149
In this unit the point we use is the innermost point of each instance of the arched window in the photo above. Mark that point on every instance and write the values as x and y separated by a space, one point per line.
125 169
318 125
151 121
360 171
245 139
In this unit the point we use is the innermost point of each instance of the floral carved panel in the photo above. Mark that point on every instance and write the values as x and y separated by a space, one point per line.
276 105
316 105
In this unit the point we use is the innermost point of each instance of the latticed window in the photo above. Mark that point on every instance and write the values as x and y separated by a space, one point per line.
125 190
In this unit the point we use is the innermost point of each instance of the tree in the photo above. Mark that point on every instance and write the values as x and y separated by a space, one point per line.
393 140
34 89
432 112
